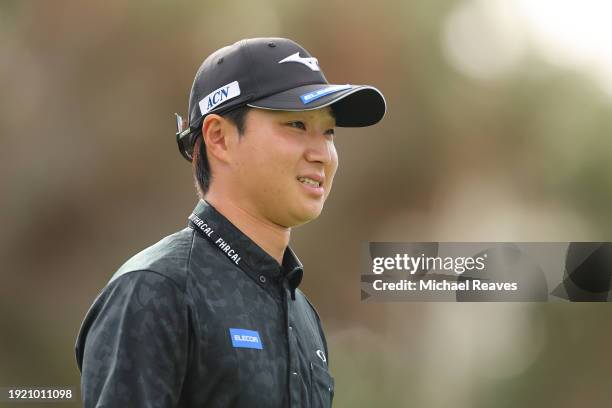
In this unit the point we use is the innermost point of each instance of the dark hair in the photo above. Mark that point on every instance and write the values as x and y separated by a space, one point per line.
201 168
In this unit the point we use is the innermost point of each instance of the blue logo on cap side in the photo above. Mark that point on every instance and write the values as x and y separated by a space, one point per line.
319 93
242 338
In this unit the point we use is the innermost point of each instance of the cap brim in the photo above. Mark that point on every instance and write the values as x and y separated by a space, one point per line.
353 105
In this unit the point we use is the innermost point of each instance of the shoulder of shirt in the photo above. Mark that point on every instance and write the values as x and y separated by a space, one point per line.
168 257
301 297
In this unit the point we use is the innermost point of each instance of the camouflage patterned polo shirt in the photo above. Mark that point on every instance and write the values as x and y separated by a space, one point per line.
204 318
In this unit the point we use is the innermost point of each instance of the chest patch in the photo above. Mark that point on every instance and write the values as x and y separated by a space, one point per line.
242 338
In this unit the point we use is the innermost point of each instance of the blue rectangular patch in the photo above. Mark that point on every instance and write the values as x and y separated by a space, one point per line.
314 95
245 338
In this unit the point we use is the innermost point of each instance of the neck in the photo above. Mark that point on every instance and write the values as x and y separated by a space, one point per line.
270 237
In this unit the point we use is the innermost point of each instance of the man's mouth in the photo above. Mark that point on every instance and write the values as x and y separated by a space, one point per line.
309 182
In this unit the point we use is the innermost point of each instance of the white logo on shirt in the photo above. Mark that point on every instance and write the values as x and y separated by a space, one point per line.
321 355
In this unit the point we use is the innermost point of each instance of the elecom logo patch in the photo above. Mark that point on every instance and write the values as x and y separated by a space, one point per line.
242 338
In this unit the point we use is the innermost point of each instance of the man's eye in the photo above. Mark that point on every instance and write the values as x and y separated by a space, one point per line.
297 124
330 132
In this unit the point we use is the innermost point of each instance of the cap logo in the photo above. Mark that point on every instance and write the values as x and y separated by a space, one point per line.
218 96
310 62
319 93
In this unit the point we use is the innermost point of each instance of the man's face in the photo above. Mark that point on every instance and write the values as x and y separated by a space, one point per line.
284 164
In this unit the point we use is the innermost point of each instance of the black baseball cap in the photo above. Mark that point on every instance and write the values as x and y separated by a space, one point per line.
274 74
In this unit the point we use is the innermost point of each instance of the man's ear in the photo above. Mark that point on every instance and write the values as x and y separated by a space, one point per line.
215 132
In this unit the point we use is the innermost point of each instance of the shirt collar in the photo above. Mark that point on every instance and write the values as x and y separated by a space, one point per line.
245 253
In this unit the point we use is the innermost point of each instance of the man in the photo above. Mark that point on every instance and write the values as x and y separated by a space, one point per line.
211 316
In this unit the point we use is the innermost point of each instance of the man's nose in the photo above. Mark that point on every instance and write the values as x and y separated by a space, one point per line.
319 148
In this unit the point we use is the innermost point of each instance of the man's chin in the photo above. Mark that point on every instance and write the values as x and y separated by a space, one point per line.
304 216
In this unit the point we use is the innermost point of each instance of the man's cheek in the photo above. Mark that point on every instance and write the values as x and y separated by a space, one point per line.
274 180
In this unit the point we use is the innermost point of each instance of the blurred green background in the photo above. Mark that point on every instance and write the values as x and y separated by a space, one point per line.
498 129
